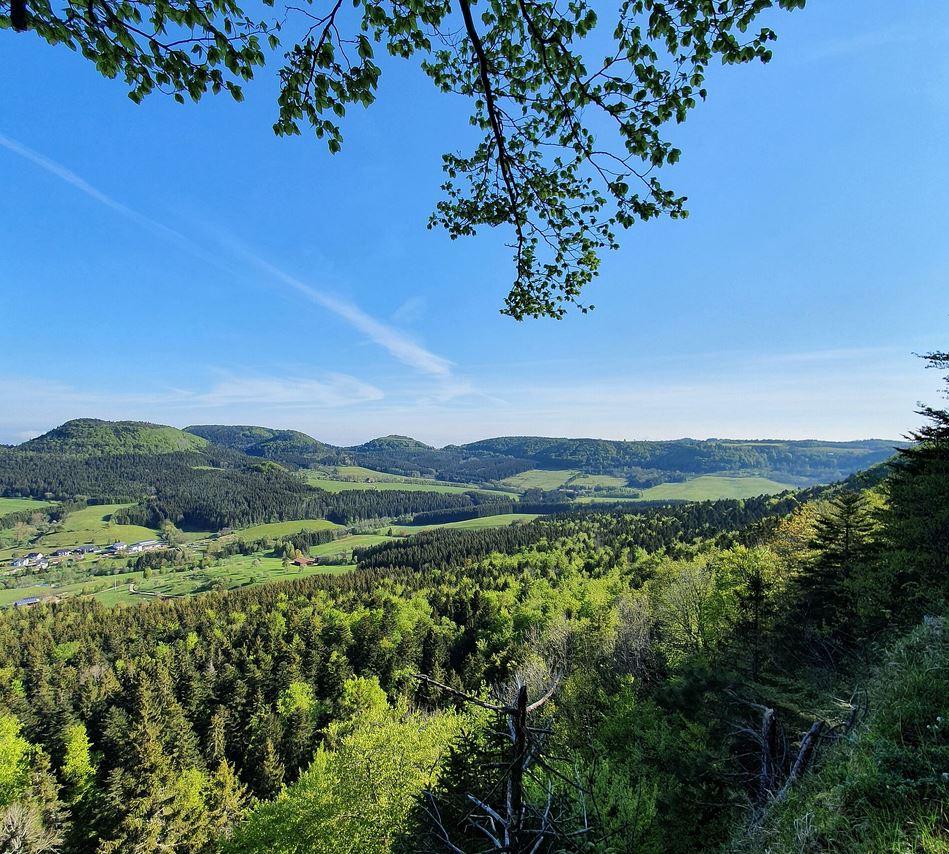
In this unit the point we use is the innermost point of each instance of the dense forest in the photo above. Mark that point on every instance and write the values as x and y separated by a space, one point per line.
745 676
209 488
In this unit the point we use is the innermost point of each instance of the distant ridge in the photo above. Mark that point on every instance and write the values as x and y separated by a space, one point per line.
638 463
289 446
392 443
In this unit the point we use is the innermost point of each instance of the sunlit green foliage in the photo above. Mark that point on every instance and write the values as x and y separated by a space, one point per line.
357 793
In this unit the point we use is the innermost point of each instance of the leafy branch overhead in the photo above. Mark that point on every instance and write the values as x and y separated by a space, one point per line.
571 147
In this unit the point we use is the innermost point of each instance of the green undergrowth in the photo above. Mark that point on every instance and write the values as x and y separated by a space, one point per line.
885 786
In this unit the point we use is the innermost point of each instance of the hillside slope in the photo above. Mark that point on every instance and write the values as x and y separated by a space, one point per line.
285 446
88 437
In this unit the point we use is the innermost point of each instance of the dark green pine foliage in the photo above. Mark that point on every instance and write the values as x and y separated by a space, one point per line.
843 544
916 522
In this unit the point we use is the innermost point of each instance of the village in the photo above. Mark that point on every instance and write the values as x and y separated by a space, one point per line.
39 560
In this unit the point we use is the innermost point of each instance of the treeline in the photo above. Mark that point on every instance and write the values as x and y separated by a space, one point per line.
805 459
204 491
236 499
105 478
451 463
54 513
648 527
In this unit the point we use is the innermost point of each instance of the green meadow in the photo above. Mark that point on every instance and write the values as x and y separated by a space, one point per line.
340 478
707 487
15 505
472 524
235 571
94 525
540 479
595 481
283 529
344 546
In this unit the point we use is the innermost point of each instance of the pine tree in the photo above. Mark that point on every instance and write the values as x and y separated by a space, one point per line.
916 522
227 802
842 543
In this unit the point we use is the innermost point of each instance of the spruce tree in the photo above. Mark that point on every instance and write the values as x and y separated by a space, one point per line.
842 543
916 521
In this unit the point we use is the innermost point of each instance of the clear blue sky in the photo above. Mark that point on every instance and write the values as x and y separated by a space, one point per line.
209 272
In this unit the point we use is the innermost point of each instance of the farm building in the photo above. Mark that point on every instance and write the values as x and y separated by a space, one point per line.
27 602
145 546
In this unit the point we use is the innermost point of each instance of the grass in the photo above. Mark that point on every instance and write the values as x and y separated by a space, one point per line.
472 524
540 479
882 788
15 505
594 481
708 487
345 545
231 572
406 486
94 525
283 529
343 478
91 525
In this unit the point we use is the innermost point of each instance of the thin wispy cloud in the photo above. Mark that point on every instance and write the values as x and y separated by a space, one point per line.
399 345
79 183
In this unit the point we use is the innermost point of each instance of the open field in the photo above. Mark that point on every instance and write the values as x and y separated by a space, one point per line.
345 545
236 571
15 505
91 525
405 485
94 525
473 524
540 478
593 481
709 487
283 529
356 477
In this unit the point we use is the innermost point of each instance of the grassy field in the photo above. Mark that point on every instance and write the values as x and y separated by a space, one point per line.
540 479
91 525
709 487
15 505
472 524
592 481
236 571
283 529
344 545
94 525
405 485
342 478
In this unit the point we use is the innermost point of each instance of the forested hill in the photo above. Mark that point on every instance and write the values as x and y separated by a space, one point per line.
811 460
86 437
288 446
644 463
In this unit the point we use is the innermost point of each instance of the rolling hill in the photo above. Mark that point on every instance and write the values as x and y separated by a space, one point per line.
285 446
90 437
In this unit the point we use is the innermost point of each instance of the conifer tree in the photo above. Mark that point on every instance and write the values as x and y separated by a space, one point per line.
916 522
842 543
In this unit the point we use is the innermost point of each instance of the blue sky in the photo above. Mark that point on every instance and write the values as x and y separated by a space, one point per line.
183 265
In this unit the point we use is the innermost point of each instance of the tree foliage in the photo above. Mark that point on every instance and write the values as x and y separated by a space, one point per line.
572 113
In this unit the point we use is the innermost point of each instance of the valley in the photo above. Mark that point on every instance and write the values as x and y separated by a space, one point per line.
220 507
